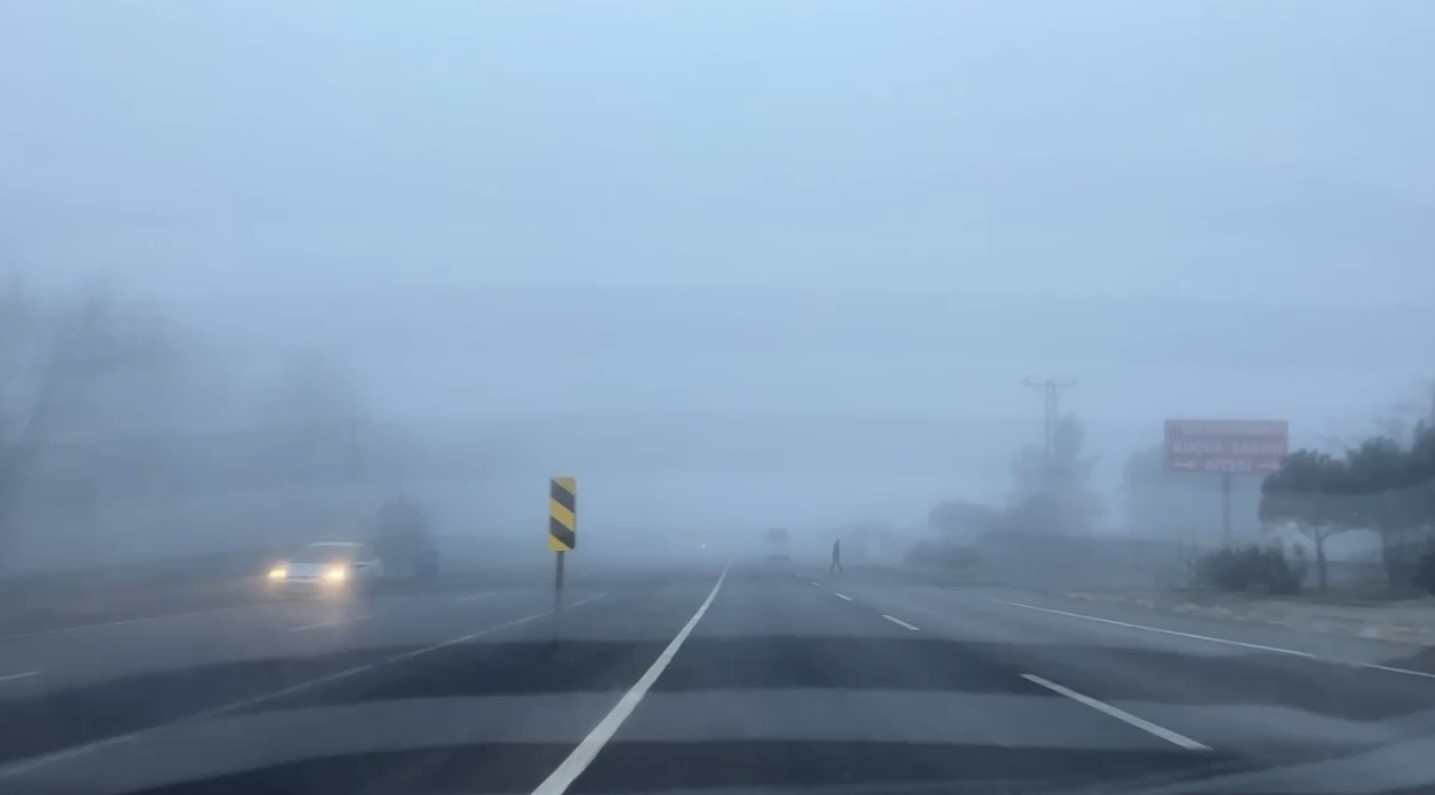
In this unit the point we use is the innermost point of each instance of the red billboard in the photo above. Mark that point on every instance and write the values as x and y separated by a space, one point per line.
1226 445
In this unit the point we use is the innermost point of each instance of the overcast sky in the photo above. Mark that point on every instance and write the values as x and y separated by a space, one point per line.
891 210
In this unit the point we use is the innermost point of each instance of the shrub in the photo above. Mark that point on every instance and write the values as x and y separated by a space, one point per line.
1250 568
1425 572
927 553
1274 572
1222 569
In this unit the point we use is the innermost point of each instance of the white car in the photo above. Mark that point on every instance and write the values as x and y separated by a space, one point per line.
330 567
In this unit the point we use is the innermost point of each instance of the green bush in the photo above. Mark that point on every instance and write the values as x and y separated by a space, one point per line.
1250 568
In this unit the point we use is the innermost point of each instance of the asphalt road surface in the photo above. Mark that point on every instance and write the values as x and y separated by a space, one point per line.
709 676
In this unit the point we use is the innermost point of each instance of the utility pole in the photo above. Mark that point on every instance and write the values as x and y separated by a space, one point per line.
1050 391
356 450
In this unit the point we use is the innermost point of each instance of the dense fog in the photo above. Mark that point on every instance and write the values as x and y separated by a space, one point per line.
267 268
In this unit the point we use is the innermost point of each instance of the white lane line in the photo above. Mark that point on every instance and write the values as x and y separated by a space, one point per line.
571 768
1276 649
325 624
141 620
302 686
33 763
1191 635
844 597
59 756
462 639
475 596
899 622
818 584
1120 714
1394 670
22 675
589 599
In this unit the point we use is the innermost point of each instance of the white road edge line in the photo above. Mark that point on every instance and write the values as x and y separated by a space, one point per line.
1191 635
339 623
22 675
1395 670
1120 714
24 765
33 763
140 620
844 597
586 601
571 768
899 622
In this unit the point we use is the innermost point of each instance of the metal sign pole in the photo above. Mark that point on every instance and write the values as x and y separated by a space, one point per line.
562 535
558 581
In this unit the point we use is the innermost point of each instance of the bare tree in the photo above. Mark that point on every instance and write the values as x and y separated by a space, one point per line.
316 419
1051 491
53 358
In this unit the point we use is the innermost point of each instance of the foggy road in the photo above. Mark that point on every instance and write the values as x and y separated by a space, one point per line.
706 677
1129 301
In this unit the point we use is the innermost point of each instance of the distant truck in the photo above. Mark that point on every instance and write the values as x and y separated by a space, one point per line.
403 541
778 548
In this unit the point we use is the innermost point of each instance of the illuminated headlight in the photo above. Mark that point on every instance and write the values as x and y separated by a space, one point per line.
277 573
336 574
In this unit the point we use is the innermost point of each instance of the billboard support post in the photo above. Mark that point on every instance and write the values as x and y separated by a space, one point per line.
1226 510
1226 447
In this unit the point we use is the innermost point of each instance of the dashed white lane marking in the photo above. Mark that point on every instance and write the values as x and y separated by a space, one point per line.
475 596
325 624
34 763
899 622
564 775
1191 635
818 584
844 597
1120 714
22 675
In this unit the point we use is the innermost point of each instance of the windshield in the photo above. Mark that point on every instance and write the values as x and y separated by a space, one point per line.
326 553
818 397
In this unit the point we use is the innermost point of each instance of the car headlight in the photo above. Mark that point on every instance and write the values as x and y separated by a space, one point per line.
277 573
335 574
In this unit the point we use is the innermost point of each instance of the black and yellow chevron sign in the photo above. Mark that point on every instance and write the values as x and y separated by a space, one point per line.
563 515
